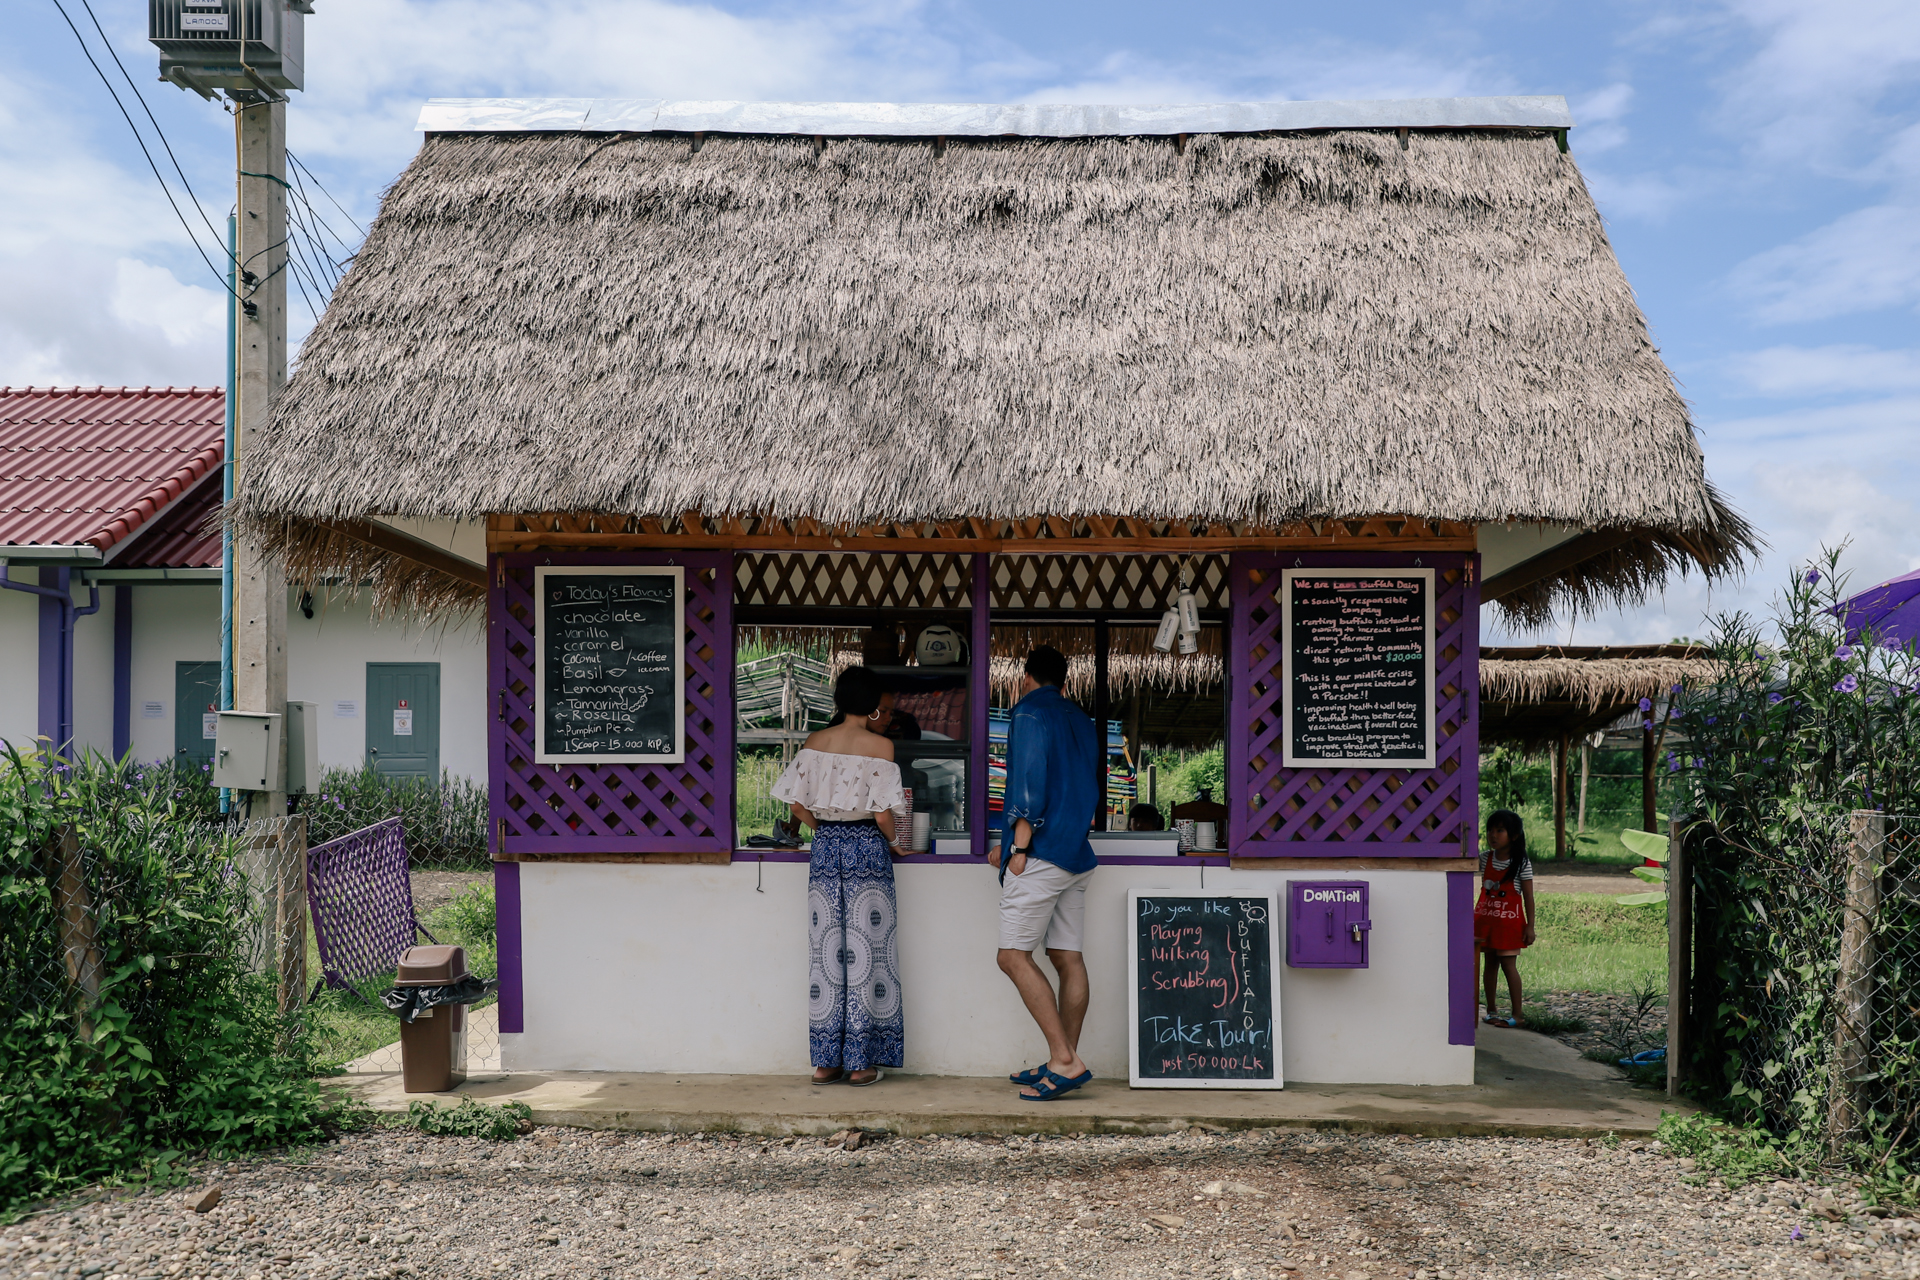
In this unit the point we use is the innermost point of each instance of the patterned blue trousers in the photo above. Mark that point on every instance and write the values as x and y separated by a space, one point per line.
853 997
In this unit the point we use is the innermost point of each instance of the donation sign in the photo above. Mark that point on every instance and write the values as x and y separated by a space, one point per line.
1203 1011
610 649
1359 679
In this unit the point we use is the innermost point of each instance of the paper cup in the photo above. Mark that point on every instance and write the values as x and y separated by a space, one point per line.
1206 835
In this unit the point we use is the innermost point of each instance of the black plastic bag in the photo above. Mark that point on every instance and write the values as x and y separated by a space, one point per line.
409 1001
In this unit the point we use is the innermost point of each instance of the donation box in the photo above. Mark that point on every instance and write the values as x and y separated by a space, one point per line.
1327 924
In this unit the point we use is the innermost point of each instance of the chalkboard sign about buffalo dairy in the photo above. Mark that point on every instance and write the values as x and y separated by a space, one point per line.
1204 1011
1359 678
610 646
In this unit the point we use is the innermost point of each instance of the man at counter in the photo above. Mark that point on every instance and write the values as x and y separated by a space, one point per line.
1053 763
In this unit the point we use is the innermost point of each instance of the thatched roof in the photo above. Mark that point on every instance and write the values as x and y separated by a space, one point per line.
1538 693
1243 328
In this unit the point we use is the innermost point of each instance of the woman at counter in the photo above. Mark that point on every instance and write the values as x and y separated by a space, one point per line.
844 784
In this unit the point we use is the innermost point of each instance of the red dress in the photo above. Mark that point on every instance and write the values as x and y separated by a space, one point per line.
1500 917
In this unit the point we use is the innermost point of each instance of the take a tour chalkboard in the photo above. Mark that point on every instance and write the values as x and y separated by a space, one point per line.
1204 1010
610 644
1359 668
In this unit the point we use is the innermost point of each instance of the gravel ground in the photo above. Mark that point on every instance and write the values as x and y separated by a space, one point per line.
1609 1016
1271 1203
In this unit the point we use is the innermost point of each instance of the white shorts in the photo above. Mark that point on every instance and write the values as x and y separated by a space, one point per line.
1043 899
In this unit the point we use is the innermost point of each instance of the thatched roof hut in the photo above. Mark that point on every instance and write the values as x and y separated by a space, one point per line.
1536 695
1252 327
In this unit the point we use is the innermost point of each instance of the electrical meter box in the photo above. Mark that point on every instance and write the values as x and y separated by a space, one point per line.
257 46
246 751
303 747
1327 924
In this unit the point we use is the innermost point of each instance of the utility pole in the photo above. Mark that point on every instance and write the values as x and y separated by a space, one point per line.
259 581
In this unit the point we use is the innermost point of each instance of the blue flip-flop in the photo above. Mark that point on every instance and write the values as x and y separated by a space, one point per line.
1032 1075
1055 1085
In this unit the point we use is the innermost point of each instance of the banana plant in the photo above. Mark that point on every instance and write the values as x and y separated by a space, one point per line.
1652 846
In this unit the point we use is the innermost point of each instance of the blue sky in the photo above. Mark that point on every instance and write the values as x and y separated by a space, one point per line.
1758 163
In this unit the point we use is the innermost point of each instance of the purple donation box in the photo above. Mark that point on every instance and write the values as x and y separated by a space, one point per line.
1327 924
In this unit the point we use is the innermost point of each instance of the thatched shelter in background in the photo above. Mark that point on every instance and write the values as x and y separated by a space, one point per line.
1552 696
723 335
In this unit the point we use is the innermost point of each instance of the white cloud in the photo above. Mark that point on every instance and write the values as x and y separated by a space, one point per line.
1598 118
1840 367
1867 260
187 316
1645 196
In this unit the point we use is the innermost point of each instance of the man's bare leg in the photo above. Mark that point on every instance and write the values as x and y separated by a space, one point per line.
1037 994
1074 994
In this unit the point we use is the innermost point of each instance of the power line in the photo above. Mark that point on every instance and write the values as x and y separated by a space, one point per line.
125 115
158 131
305 168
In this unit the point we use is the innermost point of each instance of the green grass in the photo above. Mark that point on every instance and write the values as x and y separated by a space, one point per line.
1589 942
1598 847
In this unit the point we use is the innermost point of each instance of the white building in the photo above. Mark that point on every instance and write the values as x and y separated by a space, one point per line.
110 602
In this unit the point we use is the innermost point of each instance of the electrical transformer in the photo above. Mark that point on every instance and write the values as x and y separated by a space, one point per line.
252 45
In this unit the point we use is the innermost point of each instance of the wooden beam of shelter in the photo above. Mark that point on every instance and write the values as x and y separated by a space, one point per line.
407 547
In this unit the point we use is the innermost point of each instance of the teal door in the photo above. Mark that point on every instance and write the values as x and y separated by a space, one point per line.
196 695
403 718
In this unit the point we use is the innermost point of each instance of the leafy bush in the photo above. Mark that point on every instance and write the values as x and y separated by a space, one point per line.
1800 728
131 1028
446 821
1735 1154
470 920
472 1119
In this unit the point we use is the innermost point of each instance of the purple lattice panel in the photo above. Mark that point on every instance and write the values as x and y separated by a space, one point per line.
1282 812
545 810
362 902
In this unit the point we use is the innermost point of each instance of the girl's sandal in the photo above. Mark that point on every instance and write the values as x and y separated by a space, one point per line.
1502 1022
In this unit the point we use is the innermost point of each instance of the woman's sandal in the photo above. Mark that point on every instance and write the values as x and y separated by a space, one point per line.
841 1078
1052 1085
878 1076
1032 1075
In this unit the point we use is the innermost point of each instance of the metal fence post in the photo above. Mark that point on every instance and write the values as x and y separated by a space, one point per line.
1853 1021
1679 951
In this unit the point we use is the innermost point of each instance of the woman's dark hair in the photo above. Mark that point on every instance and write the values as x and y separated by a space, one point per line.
1509 821
1047 665
857 692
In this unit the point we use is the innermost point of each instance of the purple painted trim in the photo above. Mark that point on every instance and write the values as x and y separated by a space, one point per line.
980 651
1470 697
506 902
962 859
584 842
496 707
55 698
1239 660
1282 851
122 671
1463 1011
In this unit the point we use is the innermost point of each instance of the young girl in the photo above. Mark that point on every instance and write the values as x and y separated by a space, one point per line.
1503 920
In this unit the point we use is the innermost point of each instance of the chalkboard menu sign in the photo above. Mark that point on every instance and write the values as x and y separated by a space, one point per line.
1359 668
610 647
1204 1010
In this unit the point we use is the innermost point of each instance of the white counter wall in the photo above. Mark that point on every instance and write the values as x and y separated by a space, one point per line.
19 663
687 968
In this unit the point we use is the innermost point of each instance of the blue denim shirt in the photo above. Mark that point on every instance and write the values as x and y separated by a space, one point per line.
1053 780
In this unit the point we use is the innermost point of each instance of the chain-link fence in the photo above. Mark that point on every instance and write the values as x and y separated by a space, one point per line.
1806 977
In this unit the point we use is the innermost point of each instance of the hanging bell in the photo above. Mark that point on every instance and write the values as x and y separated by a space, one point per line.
1169 624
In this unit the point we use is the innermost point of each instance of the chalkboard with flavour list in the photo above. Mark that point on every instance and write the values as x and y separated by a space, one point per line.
1204 1009
610 647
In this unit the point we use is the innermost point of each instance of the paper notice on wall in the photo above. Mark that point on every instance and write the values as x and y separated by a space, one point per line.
210 725
402 723
153 711
346 709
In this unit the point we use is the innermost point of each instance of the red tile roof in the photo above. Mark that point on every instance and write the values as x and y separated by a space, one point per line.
94 464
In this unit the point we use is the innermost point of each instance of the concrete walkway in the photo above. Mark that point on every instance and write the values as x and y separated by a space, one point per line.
1526 1085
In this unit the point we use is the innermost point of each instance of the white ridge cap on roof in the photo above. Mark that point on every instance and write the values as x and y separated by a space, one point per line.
910 119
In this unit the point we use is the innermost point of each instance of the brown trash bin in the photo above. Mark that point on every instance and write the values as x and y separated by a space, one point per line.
433 1047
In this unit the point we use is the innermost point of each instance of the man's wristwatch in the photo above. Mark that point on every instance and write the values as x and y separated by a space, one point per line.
1020 853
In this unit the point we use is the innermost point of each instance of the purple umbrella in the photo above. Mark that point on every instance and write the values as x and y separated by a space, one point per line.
1891 611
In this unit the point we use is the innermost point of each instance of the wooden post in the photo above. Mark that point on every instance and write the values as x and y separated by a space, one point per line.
1560 847
1853 1023
78 939
1586 764
1679 953
1648 822
289 845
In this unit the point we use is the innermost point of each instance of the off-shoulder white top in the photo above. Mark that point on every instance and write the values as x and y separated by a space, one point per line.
840 788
